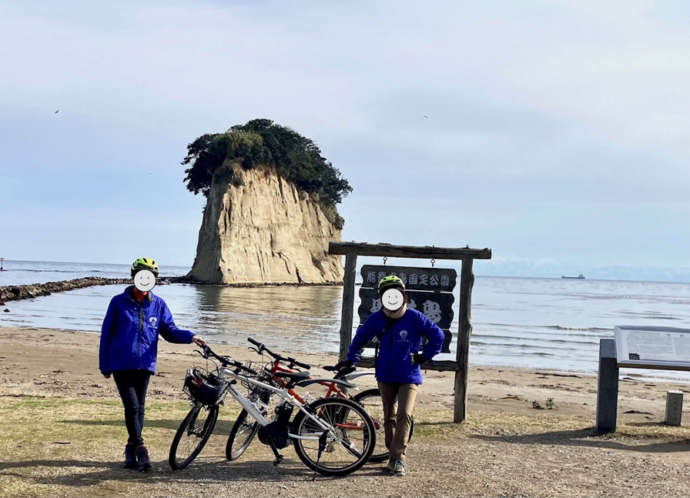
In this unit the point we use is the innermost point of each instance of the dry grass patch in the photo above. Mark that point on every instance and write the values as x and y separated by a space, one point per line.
48 445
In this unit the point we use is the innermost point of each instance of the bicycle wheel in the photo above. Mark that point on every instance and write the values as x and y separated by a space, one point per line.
343 445
241 435
192 435
371 402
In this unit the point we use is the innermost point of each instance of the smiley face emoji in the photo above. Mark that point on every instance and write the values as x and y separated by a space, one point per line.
144 280
392 299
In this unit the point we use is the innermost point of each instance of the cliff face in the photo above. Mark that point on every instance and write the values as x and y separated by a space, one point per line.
258 228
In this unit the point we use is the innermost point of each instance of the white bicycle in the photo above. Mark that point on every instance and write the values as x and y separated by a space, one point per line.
333 436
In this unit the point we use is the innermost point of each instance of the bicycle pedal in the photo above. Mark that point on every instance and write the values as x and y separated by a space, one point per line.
278 460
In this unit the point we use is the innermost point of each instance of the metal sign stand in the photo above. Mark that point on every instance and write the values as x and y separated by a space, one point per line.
353 249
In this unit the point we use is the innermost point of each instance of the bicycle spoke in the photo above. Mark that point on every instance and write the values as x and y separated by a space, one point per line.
348 437
192 435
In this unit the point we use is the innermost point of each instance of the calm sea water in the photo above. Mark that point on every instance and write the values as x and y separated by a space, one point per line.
523 322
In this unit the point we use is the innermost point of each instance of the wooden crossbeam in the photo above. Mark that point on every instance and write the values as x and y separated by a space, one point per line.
395 251
438 365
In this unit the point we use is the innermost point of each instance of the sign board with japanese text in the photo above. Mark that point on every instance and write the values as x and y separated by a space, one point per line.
429 291
428 279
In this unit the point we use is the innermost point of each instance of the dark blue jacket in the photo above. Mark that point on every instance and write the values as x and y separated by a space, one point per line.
398 343
129 336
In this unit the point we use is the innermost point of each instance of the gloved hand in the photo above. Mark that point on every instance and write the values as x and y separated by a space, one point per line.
343 365
419 358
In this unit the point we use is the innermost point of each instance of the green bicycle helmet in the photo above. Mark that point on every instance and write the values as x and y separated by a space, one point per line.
389 282
145 264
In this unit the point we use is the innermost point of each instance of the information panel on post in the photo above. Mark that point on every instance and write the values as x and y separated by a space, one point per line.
663 348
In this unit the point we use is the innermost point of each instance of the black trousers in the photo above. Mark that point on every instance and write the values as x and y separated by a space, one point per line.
132 385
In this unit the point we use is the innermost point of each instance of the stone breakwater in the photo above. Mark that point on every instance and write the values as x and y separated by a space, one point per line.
17 292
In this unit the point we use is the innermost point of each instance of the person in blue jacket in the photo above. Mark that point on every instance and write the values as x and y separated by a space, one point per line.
129 347
399 331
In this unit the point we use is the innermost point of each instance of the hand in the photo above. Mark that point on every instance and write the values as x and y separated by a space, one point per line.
344 364
419 359
198 341
107 376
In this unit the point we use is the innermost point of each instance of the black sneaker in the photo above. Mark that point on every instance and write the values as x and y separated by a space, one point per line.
143 462
130 457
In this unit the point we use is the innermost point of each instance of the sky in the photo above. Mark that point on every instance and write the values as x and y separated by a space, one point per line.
555 133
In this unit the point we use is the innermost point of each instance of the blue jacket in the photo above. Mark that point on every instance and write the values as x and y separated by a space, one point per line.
129 336
402 339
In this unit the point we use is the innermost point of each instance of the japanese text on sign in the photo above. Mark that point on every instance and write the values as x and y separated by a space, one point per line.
437 279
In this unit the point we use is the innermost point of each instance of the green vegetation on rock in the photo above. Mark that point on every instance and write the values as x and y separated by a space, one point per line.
261 142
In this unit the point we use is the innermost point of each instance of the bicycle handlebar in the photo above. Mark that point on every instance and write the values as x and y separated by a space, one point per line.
225 361
290 360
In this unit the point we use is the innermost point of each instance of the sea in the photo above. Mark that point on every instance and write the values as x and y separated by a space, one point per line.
535 323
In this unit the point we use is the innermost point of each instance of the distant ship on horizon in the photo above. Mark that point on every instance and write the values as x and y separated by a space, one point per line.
579 277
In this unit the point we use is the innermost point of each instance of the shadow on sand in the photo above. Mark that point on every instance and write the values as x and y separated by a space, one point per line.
588 437
90 473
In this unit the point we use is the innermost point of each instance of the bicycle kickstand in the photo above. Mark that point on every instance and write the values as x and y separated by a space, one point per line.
322 446
279 457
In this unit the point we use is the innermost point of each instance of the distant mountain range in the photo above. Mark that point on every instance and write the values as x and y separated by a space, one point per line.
552 270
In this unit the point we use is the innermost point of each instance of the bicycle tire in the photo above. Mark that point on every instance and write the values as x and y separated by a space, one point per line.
237 444
198 431
371 402
344 416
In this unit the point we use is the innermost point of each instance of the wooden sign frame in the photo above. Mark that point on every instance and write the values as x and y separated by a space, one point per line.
465 254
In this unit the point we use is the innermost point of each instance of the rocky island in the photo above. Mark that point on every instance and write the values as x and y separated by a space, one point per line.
270 207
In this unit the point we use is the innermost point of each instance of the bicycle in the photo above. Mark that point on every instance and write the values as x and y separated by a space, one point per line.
332 436
244 430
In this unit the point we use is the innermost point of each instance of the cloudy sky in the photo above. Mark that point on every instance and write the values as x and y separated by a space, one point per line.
556 133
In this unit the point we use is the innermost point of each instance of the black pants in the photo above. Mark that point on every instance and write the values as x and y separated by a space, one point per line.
132 385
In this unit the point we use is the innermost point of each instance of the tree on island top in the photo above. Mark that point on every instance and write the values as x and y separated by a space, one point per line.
261 142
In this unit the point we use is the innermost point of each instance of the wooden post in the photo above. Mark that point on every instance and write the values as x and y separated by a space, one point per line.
607 387
347 308
463 344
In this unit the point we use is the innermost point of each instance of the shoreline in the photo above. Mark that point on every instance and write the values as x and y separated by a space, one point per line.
626 374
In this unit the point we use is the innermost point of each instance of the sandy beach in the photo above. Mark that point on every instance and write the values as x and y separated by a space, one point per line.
528 433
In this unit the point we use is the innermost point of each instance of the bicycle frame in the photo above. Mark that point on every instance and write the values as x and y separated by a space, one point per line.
332 386
281 392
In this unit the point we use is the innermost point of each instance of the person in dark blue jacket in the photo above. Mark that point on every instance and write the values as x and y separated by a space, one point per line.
399 331
129 347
